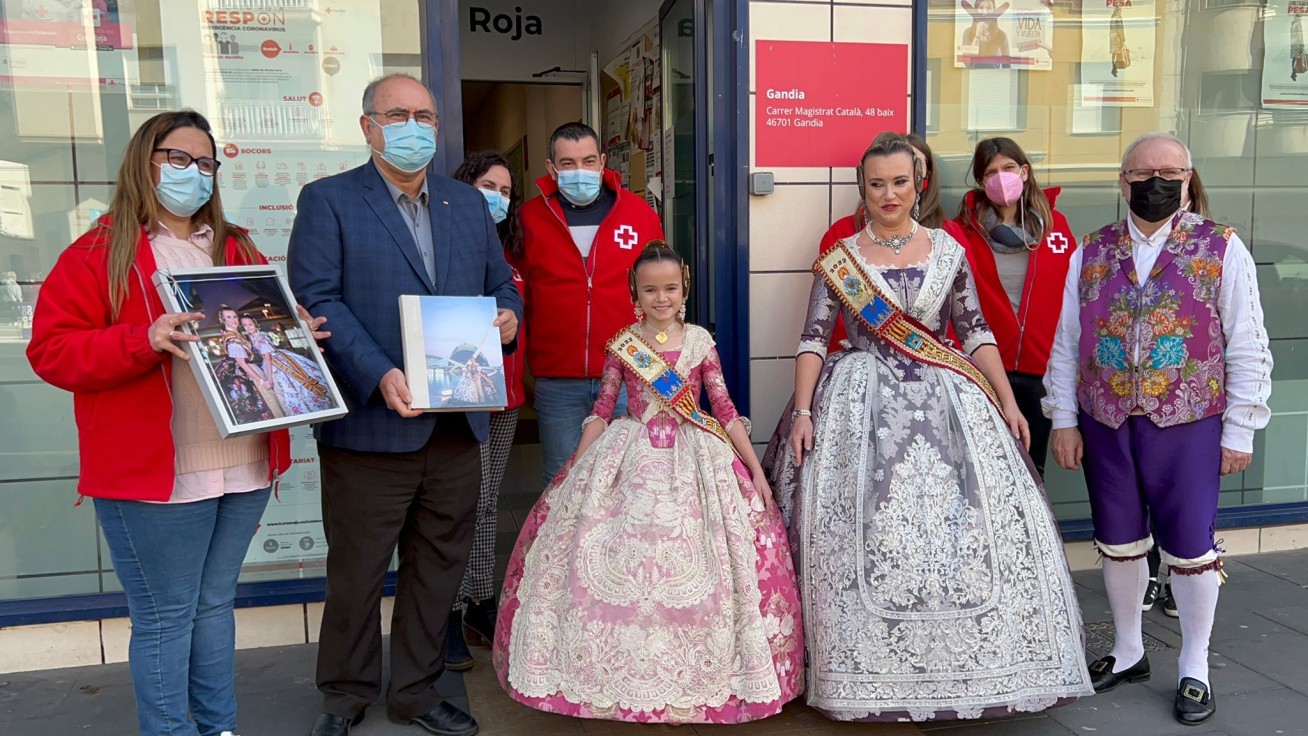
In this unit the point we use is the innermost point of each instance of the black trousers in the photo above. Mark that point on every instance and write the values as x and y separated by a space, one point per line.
1028 390
425 502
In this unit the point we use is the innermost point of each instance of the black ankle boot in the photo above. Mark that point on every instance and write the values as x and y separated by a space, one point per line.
479 622
457 656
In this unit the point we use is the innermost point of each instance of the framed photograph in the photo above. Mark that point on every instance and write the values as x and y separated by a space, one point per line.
452 355
257 364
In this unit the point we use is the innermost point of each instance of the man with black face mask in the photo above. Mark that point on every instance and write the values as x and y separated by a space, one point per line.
1159 376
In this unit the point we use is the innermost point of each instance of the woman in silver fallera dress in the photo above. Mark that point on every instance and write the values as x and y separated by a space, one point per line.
930 565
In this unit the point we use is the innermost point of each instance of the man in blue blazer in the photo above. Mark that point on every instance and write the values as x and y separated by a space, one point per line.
392 475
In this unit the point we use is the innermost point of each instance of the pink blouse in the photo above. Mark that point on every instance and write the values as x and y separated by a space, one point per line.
171 251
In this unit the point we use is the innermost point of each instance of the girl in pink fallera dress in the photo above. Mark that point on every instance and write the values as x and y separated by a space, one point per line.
652 582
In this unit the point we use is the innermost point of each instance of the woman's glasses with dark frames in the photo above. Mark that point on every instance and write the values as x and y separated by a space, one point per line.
180 159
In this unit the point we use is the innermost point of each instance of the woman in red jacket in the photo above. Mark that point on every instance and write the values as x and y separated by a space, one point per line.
177 504
475 610
1019 247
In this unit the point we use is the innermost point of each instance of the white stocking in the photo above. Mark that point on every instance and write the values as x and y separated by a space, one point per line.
1126 582
1196 601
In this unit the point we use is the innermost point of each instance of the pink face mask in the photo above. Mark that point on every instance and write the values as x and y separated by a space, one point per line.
1004 188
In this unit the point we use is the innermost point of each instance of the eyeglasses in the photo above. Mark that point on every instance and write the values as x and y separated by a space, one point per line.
1171 174
399 117
180 159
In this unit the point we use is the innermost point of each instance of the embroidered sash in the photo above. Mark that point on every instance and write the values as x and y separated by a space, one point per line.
662 378
893 325
297 373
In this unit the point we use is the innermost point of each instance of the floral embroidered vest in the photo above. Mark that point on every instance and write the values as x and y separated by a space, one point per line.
1156 348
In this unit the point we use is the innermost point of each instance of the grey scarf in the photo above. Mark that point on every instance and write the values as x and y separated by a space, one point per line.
1007 238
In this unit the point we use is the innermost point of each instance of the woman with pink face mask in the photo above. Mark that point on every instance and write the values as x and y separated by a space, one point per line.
1019 247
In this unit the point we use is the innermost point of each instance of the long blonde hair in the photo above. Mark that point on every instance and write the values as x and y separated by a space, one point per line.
135 205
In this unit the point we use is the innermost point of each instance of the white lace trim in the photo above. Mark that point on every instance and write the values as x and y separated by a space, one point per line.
812 346
749 425
977 339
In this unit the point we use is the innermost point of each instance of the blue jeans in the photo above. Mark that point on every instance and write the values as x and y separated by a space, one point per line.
562 404
178 564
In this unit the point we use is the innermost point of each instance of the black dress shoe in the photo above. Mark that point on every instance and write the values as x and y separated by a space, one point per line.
1103 679
479 622
457 656
330 725
446 720
1194 702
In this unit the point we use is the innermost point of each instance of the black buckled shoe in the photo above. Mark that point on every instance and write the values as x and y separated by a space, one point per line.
479 622
1103 679
330 725
457 656
1194 702
446 720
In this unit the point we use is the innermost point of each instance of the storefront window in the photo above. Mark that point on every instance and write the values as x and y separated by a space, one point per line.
1075 82
280 81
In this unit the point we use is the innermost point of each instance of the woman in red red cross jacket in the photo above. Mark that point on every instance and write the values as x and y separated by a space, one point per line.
1019 248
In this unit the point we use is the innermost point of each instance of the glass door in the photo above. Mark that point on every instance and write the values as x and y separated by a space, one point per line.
705 150
680 187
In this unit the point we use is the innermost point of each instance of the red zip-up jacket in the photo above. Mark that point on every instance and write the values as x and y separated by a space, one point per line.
1024 337
573 306
122 388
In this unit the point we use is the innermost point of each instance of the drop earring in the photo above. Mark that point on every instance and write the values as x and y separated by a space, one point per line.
640 313
917 208
682 313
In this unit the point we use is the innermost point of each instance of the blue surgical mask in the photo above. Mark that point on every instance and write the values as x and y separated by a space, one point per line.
498 203
183 191
410 146
580 186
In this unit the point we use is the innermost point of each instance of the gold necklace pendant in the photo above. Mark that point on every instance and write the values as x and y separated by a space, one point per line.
661 336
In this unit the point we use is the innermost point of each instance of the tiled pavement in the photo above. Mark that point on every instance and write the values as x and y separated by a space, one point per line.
1259 668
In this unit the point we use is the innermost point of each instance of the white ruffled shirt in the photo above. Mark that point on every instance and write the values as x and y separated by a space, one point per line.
1248 357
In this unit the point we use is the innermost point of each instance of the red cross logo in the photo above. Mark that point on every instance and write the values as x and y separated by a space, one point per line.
1057 242
625 237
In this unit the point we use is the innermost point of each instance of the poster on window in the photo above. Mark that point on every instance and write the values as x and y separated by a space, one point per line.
1285 60
1117 53
62 43
1014 34
281 86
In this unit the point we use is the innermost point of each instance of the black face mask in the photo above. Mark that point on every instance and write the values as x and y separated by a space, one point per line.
1155 199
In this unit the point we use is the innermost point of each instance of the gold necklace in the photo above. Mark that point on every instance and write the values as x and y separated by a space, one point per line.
661 337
